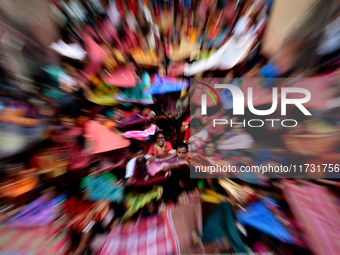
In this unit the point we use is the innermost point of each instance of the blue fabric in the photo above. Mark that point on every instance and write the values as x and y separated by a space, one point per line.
102 188
258 216
227 97
166 85
268 155
271 70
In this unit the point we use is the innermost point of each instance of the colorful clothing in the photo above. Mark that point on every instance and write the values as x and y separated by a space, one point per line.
166 85
141 135
136 94
104 139
102 187
158 164
40 212
155 150
134 202
220 224
198 140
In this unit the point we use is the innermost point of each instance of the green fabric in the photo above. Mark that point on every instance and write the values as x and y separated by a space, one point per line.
221 223
202 184
85 182
205 54
54 72
134 202
137 94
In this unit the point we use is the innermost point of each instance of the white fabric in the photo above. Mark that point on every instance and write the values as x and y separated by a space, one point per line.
131 21
331 39
72 50
230 54
66 79
130 167
113 14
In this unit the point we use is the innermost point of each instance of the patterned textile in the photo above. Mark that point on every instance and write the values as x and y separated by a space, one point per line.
150 236
37 241
135 202
183 221
102 94
38 213
318 211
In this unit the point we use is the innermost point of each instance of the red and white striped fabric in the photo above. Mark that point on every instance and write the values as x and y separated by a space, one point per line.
318 211
150 236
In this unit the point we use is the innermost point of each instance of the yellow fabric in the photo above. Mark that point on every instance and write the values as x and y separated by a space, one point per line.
320 127
142 59
183 52
211 196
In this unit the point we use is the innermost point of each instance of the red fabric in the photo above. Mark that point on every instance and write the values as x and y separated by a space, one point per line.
150 236
318 211
153 151
84 212
187 134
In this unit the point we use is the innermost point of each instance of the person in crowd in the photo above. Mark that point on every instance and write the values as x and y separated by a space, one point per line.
199 135
235 140
159 146
209 151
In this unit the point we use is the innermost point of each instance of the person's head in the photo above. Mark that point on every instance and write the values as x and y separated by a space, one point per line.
140 153
196 126
209 148
237 129
71 66
182 151
67 121
160 138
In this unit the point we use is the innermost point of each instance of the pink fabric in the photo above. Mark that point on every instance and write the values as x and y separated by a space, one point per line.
317 86
141 135
153 151
260 96
318 211
108 31
237 142
104 139
158 164
95 54
150 236
121 77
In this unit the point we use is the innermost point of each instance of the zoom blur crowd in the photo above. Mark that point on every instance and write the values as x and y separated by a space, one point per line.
96 159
